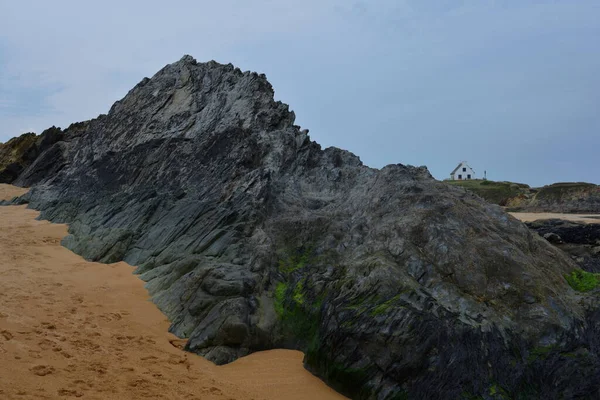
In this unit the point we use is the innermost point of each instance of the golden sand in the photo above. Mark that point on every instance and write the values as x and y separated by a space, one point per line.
585 218
76 329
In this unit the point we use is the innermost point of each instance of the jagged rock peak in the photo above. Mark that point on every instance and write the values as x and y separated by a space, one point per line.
186 94
188 59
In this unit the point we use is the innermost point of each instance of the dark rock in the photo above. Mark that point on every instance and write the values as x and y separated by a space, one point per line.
19 153
569 232
250 237
578 240
553 238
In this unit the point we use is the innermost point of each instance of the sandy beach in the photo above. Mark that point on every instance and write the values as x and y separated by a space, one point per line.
585 218
76 329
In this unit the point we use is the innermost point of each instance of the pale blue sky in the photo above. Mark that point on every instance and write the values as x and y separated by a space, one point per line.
511 86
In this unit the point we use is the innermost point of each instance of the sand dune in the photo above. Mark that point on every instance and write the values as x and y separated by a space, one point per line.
75 329
586 218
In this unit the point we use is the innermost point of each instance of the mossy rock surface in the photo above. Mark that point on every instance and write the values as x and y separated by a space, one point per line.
583 281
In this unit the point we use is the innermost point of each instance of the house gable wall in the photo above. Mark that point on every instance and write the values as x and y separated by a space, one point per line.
463 174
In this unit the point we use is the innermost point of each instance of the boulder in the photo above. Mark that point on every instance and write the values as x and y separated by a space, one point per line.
553 238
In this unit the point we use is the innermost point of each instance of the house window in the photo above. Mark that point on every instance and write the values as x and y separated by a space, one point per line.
459 177
464 169
469 176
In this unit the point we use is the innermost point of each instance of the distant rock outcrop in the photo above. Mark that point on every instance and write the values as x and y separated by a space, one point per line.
250 237
565 197
20 152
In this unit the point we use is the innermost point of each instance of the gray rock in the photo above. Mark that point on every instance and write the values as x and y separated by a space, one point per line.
553 238
251 237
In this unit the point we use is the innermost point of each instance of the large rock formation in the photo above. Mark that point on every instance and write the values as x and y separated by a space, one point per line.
250 237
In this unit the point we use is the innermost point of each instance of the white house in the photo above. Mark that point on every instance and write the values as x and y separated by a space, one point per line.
462 172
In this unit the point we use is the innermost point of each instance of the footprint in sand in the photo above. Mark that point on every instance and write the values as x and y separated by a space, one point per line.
70 368
6 335
81 384
49 326
98 368
212 390
109 317
176 359
34 354
178 343
47 344
50 240
77 298
60 337
84 344
69 393
42 370
147 339
139 382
